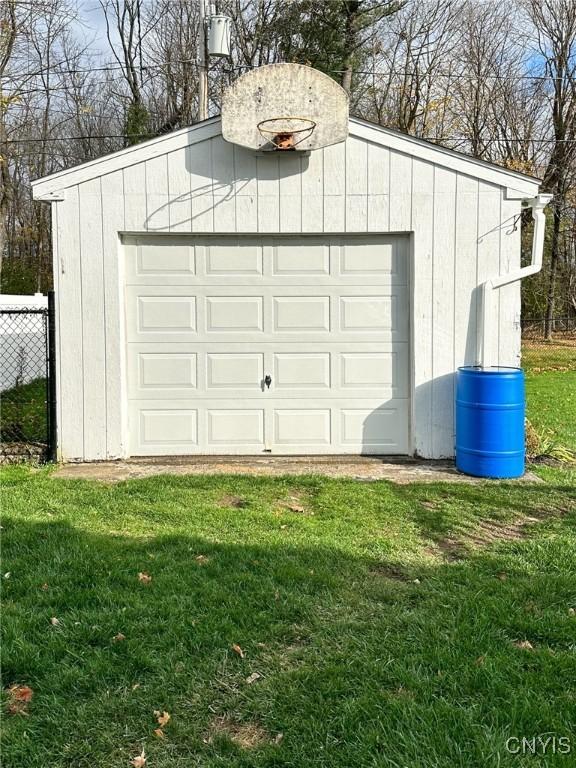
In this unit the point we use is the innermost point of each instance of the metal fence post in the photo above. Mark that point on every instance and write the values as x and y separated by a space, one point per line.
52 427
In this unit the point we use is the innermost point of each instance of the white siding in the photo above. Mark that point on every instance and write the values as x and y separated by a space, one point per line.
93 305
421 207
443 301
462 232
509 295
112 224
71 319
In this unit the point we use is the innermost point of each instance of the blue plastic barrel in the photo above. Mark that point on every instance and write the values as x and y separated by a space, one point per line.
490 404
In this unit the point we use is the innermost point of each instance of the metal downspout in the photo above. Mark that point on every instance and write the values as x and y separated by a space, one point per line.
485 326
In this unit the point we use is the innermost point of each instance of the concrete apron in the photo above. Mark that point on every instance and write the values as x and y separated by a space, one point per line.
366 468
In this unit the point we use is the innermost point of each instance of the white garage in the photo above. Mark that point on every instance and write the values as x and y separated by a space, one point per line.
213 299
282 344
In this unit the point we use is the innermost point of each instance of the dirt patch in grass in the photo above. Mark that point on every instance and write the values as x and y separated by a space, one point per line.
244 735
297 502
234 502
392 572
449 549
400 692
489 532
493 532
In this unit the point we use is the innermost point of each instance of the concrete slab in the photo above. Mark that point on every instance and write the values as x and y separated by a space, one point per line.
365 468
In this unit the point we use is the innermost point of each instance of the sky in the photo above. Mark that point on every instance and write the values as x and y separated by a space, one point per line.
91 26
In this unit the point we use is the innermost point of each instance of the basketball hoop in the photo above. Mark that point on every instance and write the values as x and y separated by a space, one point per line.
257 109
285 133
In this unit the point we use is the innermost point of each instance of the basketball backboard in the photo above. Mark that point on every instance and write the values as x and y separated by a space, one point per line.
284 107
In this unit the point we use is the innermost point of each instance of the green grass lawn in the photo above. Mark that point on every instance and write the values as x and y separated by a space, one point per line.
388 624
551 389
379 625
551 404
558 354
23 413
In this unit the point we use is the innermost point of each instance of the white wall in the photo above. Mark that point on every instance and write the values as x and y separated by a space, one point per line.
22 341
463 232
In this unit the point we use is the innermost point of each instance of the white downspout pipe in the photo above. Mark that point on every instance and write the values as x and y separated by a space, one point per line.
485 329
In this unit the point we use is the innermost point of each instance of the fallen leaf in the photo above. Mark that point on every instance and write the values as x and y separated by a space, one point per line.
19 696
159 733
502 576
119 637
162 718
21 692
525 645
144 578
139 761
201 559
253 677
54 621
236 648
480 661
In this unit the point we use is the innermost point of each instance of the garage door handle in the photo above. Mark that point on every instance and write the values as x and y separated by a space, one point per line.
268 381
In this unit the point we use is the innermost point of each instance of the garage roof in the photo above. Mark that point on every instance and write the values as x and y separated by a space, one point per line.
50 188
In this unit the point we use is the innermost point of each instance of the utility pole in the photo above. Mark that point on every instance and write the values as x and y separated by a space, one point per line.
203 67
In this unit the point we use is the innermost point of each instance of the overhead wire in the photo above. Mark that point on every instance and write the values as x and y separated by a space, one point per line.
238 67
524 139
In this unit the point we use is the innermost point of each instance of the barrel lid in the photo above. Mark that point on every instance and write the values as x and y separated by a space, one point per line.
490 369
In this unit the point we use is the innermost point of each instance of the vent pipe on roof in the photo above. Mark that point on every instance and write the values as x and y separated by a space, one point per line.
485 331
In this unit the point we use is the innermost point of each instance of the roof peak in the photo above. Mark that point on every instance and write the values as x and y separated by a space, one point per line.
49 188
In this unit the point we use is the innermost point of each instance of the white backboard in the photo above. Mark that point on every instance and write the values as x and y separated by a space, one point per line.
284 90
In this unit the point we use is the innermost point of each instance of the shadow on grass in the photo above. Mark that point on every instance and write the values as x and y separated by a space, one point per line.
356 668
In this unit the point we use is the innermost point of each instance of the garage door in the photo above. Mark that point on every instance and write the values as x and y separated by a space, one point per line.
245 345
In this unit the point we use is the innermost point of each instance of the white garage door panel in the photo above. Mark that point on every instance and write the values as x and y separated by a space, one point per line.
377 428
280 426
166 314
253 261
167 427
234 370
235 427
208 319
268 313
166 371
245 258
299 370
174 260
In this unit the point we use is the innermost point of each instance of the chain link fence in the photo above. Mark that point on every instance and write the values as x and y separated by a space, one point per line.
555 354
27 394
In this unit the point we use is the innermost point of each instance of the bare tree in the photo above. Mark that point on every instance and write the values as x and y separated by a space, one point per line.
410 62
494 81
126 18
9 31
554 29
